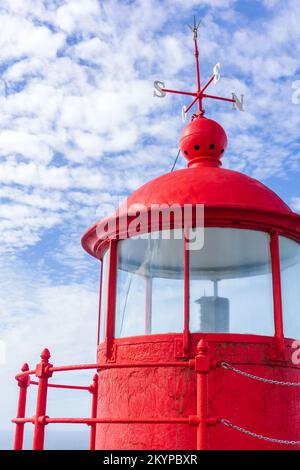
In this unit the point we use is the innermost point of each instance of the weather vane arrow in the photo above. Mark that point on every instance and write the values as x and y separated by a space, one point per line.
160 90
195 28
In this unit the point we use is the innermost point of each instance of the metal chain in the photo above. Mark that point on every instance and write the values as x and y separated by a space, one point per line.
225 365
229 424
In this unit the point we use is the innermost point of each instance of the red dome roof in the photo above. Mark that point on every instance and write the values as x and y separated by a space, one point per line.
210 186
216 188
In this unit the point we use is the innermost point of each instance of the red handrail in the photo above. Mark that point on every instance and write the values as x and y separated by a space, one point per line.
99 367
46 420
202 364
72 387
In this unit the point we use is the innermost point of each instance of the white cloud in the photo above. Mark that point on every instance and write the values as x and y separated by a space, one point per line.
20 37
296 204
75 17
38 199
37 147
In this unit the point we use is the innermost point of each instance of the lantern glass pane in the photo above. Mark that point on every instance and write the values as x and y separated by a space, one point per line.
290 285
231 283
150 284
104 288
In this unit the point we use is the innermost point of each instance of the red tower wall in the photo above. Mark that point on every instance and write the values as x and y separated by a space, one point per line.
267 409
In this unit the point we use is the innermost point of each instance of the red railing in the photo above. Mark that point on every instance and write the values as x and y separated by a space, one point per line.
201 364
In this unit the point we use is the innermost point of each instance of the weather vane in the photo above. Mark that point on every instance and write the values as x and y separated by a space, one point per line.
161 91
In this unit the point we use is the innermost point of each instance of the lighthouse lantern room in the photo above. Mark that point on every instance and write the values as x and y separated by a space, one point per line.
199 306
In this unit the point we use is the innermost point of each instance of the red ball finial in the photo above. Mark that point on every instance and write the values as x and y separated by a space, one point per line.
203 142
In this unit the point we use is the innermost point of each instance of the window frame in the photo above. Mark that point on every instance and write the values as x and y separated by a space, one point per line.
276 284
148 290
285 237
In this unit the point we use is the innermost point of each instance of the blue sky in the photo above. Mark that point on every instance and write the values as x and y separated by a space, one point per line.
80 129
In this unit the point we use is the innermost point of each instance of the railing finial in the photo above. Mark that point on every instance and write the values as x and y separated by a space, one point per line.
202 346
25 367
45 355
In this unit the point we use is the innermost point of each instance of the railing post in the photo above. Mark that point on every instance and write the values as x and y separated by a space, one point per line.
202 368
43 374
94 391
23 383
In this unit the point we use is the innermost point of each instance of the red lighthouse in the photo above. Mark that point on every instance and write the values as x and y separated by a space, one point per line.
199 310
